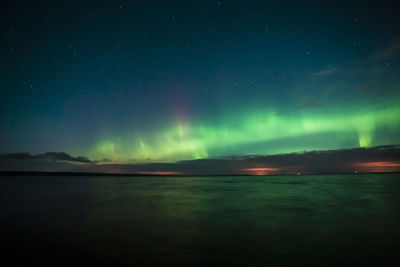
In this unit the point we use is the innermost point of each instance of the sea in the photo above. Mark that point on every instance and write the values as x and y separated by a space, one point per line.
299 220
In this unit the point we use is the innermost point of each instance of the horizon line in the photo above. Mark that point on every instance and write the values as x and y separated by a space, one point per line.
66 173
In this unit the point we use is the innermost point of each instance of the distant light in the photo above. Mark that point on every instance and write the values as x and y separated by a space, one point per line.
261 171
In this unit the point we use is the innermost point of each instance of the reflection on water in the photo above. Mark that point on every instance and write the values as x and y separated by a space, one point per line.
274 220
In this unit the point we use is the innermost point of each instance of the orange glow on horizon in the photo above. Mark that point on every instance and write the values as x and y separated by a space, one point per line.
261 171
379 166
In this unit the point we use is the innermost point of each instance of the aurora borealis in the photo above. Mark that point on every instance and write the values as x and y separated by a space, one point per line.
150 84
186 142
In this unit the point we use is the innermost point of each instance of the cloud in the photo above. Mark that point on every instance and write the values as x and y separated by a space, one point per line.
325 72
374 159
393 49
101 160
381 158
370 86
50 156
309 103
21 156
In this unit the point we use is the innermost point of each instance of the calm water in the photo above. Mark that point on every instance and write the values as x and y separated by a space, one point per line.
272 220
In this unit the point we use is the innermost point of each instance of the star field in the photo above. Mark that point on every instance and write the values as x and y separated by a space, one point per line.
159 82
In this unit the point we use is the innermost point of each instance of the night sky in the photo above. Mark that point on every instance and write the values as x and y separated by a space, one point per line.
188 87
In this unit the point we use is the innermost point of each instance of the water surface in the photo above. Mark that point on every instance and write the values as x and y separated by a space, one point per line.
260 220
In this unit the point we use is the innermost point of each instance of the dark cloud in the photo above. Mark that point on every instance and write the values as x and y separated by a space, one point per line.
370 86
380 158
17 156
329 161
101 160
309 103
51 156
64 157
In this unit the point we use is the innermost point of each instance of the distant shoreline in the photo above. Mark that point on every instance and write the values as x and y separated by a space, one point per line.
44 173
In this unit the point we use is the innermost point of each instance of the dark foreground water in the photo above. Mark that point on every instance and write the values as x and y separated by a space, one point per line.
272 220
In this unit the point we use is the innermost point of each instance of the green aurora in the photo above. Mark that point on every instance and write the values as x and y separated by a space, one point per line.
254 132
